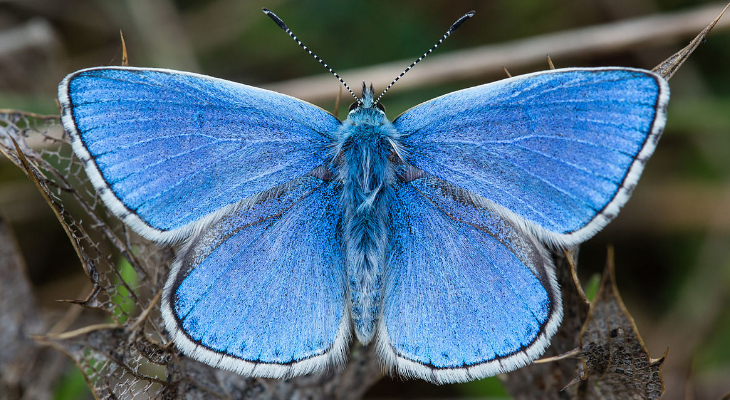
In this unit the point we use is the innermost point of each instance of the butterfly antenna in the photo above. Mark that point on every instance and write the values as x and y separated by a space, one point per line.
286 29
448 33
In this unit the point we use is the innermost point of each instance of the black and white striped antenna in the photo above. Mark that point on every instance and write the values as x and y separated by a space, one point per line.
286 29
448 33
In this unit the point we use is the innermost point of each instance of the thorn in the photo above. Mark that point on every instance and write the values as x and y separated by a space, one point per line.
125 59
550 62
337 102
506 72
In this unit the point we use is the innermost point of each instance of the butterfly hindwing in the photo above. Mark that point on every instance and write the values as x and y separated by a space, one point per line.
170 151
262 291
462 301
559 150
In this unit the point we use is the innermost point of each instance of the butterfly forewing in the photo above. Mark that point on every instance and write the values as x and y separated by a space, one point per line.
559 149
168 149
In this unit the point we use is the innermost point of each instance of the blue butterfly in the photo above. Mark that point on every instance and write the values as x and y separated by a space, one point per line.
426 237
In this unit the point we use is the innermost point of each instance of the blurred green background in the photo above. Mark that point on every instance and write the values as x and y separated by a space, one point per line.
672 240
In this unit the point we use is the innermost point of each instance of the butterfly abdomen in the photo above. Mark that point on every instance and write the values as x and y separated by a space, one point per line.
367 176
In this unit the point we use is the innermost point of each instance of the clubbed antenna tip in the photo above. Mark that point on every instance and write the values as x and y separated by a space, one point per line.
276 18
461 20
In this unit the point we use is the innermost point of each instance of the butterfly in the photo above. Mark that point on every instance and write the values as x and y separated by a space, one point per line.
426 236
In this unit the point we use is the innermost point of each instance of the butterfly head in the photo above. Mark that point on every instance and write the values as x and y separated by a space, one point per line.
367 102
366 123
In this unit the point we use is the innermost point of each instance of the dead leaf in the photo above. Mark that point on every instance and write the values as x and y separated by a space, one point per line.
669 67
616 364
21 359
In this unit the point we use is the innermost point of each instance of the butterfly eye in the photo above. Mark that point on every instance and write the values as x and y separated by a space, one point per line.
380 107
353 106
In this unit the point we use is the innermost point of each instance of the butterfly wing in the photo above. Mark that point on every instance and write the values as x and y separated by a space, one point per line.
559 151
262 291
167 149
462 301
